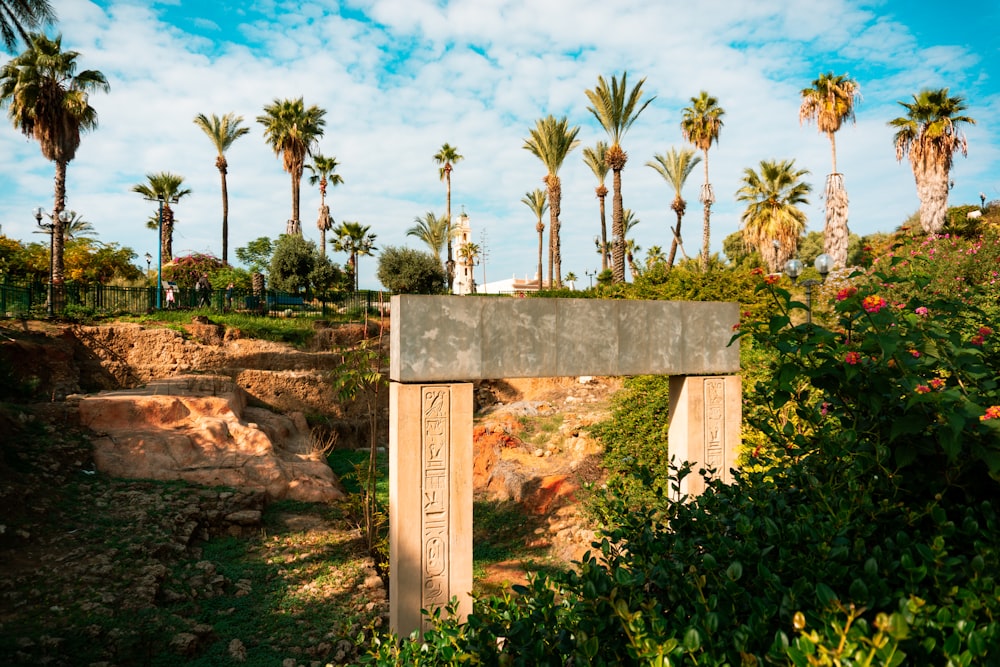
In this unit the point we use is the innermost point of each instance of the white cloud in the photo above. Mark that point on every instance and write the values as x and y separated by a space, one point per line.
398 79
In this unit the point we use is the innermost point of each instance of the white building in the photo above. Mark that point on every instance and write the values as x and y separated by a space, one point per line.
464 283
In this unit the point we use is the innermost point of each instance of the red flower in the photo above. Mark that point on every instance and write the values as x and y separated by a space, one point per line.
922 389
985 331
936 383
873 303
976 340
757 271
771 278
852 358
846 293
992 412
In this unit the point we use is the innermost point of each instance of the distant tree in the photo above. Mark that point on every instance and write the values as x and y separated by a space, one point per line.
701 125
18 18
294 259
408 271
328 277
322 173
772 221
597 159
616 108
432 230
357 241
551 141
48 100
675 166
222 132
537 200
187 269
292 130
167 186
929 133
446 159
256 255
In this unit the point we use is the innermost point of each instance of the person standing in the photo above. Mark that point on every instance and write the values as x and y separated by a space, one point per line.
229 296
170 296
203 287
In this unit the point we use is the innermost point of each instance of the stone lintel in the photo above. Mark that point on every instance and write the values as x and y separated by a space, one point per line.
430 501
454 338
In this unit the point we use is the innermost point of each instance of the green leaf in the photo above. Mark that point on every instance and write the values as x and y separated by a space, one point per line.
825 595
692 640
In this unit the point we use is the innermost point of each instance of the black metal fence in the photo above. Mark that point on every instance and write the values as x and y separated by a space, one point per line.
72 300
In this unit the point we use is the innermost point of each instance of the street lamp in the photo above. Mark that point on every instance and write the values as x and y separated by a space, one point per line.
793 268
591 274
50 228
161 198
149 260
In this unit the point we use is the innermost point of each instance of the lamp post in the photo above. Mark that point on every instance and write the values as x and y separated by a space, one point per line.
161 198
590 275
793 268
982 202
50 228
149 260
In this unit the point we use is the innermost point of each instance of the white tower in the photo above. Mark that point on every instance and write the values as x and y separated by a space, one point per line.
464 265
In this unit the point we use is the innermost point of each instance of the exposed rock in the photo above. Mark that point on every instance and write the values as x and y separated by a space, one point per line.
198 429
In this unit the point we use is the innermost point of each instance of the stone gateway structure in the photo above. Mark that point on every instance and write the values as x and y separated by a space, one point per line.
439 345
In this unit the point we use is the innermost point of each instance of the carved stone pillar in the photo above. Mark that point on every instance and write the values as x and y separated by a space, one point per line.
430 499
705 421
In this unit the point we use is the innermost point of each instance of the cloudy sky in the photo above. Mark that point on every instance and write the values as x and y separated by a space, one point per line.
399 78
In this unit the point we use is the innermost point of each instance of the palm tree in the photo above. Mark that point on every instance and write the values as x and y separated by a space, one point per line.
19 17
616 110
446 158
655 256
222 132
538 202
356 240
321 172
675 167
830 101
432 230
596 158
291 130
469 253
166 186
551 140
46 99
929 134
629 221
700 125
773 221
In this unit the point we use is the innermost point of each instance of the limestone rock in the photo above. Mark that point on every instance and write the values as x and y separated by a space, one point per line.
197 428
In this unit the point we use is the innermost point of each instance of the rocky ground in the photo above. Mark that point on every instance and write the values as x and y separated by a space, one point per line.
102 571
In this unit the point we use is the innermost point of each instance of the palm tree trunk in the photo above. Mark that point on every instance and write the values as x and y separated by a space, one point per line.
225 217
540 228
673 243
833 150
58 226
707 199
604 232
296 182
617 231
835 232
167 234
931 178
555 208
450 264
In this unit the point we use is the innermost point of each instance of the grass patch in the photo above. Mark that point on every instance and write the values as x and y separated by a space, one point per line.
540 430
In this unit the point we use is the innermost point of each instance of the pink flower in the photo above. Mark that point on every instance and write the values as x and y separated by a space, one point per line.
852 358
936 383
846 293
922 389
922 311
985 331
915 354
824 409
873 303
992 412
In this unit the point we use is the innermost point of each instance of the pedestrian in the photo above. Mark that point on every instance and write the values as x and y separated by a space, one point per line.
229 296
170 296
203 287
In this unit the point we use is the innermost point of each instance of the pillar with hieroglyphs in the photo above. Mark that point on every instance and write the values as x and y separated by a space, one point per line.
705 422
430 498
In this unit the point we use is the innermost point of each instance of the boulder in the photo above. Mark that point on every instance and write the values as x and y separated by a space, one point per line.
198 428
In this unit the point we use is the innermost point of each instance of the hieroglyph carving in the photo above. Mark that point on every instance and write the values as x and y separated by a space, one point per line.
434 529
715 425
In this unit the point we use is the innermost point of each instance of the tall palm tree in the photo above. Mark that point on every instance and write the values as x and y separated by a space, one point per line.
772 221
446 159
292 130
616 108
596 158
700 125
168 186
432 230
356 240
675 167
20 17
48 100
538 202
468 255
321 172
929 134
222 132
830 101
551 140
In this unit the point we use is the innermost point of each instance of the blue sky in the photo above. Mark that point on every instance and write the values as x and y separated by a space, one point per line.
399 78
